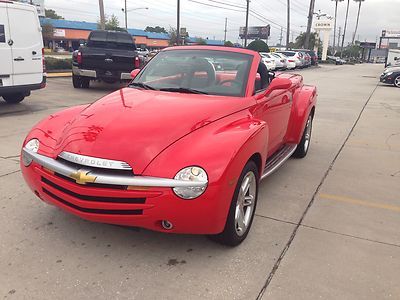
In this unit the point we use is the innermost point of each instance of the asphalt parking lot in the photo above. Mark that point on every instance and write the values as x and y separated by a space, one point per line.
326 226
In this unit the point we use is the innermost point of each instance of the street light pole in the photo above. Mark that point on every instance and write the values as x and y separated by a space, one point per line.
246 29
178 25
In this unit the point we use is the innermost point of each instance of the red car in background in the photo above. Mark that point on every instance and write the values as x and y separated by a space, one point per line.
182 149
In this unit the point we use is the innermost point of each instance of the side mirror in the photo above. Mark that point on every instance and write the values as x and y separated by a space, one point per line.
134 73
279 84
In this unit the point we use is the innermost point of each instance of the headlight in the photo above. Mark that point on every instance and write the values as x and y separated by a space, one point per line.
195 174
388 74
32 145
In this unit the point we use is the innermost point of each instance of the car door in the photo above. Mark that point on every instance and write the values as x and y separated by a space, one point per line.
5 50
26 45
274 108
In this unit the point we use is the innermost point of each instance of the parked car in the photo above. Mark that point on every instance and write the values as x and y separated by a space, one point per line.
281 63
290 64
307 58
22 68
336 60
143 51
269 61
109 56
294 56
312 56
182 149
391 75
393 58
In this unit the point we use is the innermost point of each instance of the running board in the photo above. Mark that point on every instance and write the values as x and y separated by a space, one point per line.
278 158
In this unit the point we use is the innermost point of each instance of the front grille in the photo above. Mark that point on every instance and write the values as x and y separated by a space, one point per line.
93 210
94 185
93 198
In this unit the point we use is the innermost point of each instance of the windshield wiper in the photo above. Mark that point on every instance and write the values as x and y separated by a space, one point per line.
142 85
182 90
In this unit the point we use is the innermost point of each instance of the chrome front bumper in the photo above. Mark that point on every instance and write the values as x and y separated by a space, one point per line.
88 175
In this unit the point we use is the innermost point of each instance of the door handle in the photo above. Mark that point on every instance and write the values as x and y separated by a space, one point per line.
19 58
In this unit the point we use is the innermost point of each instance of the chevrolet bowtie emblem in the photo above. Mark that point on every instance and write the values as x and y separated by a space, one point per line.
83 177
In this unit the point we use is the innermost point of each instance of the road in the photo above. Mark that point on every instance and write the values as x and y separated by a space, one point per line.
326 226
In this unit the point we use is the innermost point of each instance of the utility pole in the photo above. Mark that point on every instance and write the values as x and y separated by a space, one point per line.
288 25
178 25
281 37
309 24
126 16
340 32
246 29
102 16
226 28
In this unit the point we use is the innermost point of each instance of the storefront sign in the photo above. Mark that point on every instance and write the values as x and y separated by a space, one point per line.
391 33
59 32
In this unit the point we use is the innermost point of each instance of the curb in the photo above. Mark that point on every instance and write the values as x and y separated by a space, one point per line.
59 75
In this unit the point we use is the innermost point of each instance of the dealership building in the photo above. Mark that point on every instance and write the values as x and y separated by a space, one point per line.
70 34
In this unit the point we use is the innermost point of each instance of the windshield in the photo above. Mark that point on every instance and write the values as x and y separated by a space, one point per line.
210 72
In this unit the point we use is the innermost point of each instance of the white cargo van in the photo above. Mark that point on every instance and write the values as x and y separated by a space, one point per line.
21 51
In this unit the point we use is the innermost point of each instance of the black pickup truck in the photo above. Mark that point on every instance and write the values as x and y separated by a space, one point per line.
109 56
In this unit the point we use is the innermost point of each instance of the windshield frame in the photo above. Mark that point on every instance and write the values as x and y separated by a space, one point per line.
245 83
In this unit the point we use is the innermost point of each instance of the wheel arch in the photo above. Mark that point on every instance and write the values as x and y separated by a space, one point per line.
304 103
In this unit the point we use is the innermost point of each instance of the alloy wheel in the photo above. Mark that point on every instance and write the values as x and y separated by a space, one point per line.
245 203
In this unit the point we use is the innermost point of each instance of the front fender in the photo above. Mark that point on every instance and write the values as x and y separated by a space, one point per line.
222 149
50 128
304 100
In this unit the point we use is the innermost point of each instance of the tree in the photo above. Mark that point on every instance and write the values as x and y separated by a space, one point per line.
334 29
156 29
173 40
302 37
201 41
345 25
228 44
47 31
358 18
51 14
259 46
112 23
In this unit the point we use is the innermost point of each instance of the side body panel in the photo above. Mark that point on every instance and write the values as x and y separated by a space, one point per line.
27 44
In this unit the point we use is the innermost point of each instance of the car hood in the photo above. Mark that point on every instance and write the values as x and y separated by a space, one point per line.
134 125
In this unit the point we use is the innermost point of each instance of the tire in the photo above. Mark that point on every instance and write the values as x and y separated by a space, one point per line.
85 83
235 233
76 82
304 145
14 98
397 81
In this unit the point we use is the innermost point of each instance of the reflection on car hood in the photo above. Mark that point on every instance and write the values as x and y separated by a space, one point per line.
135 125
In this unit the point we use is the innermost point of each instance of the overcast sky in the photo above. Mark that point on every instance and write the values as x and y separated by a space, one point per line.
206 21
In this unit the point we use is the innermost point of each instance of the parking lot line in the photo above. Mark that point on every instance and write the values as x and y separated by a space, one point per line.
360 202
